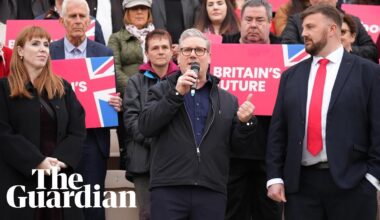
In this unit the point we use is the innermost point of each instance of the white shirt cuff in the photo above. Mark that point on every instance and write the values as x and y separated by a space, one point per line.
274 181
373 180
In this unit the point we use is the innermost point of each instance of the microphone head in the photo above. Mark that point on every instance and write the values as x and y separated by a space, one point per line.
195 67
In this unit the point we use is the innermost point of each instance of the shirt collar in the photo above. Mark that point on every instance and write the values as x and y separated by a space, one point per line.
333 57
69 47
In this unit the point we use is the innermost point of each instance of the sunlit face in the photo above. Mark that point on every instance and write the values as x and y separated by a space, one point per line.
327 2
315 33
159 51
347 36
76 21
138 16
216 10
255 26
185 61
35 53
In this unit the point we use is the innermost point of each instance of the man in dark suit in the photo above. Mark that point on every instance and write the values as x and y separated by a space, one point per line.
323 155
363 45
246 198
93 167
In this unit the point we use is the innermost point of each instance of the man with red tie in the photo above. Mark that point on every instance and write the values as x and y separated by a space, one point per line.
323 155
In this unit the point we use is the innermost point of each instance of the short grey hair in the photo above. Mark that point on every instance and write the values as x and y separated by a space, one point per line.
258 3
81 2
192 32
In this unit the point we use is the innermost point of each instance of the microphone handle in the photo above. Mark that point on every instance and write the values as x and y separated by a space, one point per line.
193 88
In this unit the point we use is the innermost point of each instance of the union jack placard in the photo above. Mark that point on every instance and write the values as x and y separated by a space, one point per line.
254 68
93 80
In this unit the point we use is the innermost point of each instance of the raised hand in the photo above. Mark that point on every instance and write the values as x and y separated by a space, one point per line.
185 81
246 110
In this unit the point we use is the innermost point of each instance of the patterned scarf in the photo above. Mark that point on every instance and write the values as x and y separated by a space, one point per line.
140 34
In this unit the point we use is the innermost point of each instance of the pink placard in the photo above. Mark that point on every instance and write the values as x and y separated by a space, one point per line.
254 68
214 38
93 81
55 29
369 15
277 3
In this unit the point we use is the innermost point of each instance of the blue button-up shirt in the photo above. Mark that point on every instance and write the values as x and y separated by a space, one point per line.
197 107
72 52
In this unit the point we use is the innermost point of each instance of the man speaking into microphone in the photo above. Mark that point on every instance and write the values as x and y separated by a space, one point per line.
193 132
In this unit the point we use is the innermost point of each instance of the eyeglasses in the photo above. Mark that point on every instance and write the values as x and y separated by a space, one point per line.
199 51
344 31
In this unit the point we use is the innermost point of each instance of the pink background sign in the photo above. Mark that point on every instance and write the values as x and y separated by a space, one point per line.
93 81
55 29
254 68
369 15
277 3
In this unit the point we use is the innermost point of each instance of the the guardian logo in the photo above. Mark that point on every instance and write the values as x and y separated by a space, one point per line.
64 191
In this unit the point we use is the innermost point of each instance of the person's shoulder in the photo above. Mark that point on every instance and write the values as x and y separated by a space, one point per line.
362 62
231 38
57 42
122 34
100 48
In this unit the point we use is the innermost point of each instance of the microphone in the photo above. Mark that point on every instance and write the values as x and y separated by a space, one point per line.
195 67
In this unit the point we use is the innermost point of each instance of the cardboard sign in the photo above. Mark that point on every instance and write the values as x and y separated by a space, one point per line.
55 29
93 81
254 68
369 16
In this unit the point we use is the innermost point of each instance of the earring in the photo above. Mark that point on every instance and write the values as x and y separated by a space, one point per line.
21 57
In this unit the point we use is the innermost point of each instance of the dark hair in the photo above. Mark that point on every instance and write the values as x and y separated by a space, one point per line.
258 3
297 6
229 25
157 33
326 10
350 23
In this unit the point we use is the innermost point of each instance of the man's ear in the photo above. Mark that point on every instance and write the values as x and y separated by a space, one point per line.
61 21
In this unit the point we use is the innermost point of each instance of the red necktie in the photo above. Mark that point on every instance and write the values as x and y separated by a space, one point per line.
314 126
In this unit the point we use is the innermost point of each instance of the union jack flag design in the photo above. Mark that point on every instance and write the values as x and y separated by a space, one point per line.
90 33
93 80
294 54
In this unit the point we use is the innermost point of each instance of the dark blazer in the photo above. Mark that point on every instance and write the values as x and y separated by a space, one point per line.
20 142
352 124
363 45
93 49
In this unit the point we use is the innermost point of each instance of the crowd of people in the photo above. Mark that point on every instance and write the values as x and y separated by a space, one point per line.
190 149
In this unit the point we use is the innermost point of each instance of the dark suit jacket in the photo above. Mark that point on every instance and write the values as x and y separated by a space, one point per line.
20 142
93 49
363 45
352 124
